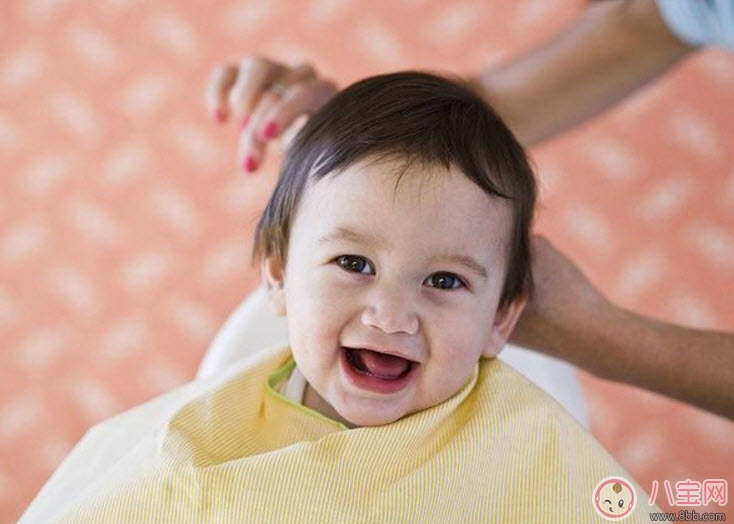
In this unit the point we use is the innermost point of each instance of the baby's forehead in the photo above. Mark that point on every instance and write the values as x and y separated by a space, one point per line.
409 175
409 198
419 181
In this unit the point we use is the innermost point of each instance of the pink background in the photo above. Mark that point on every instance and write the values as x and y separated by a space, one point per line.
125 223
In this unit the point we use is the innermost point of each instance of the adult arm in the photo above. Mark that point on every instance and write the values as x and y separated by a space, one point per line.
613 48
570 319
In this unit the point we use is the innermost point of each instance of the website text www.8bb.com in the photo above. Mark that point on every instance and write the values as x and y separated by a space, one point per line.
688 515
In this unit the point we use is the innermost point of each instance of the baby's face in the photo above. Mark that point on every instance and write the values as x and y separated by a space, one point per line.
391 291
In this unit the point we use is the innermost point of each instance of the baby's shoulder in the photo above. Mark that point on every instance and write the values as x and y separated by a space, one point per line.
251 373
509 393
524 418
536 444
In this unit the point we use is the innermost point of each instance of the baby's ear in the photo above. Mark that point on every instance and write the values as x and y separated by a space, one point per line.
504 322
272 272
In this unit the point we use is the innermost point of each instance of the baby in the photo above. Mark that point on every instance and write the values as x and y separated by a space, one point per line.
397 244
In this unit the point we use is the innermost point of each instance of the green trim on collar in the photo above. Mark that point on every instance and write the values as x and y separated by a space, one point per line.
271 389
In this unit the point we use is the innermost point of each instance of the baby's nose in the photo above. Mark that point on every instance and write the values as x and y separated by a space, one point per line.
391 311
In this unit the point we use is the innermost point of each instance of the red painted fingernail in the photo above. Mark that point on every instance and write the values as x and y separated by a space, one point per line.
250 164
270 130
244 122
220 115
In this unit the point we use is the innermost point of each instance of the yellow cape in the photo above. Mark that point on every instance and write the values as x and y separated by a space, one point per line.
234 450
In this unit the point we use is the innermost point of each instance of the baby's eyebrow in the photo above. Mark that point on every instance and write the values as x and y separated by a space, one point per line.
463 260
346 235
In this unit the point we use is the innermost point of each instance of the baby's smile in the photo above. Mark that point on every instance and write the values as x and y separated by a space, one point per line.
377 371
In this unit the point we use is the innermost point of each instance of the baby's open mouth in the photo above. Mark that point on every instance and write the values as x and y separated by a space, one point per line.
378 365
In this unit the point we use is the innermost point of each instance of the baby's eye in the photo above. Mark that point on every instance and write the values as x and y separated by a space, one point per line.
355 264
444 281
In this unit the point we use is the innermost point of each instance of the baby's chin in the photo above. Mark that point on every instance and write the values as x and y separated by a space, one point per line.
361 416
379 414
357 416
354 414
362 421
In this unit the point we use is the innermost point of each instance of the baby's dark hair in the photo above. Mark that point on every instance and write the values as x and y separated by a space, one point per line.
414 118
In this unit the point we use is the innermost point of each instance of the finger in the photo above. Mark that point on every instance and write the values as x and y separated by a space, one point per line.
252 144
290 133
298 73
257 129
220 82
300 99
265 124
254 75
279 91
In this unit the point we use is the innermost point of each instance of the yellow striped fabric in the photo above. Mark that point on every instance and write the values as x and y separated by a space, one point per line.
233 449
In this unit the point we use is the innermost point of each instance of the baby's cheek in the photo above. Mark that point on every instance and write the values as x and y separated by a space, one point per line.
458 360
464 338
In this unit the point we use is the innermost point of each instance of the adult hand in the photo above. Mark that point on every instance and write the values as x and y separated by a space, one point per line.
268 99
570 319
564 304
